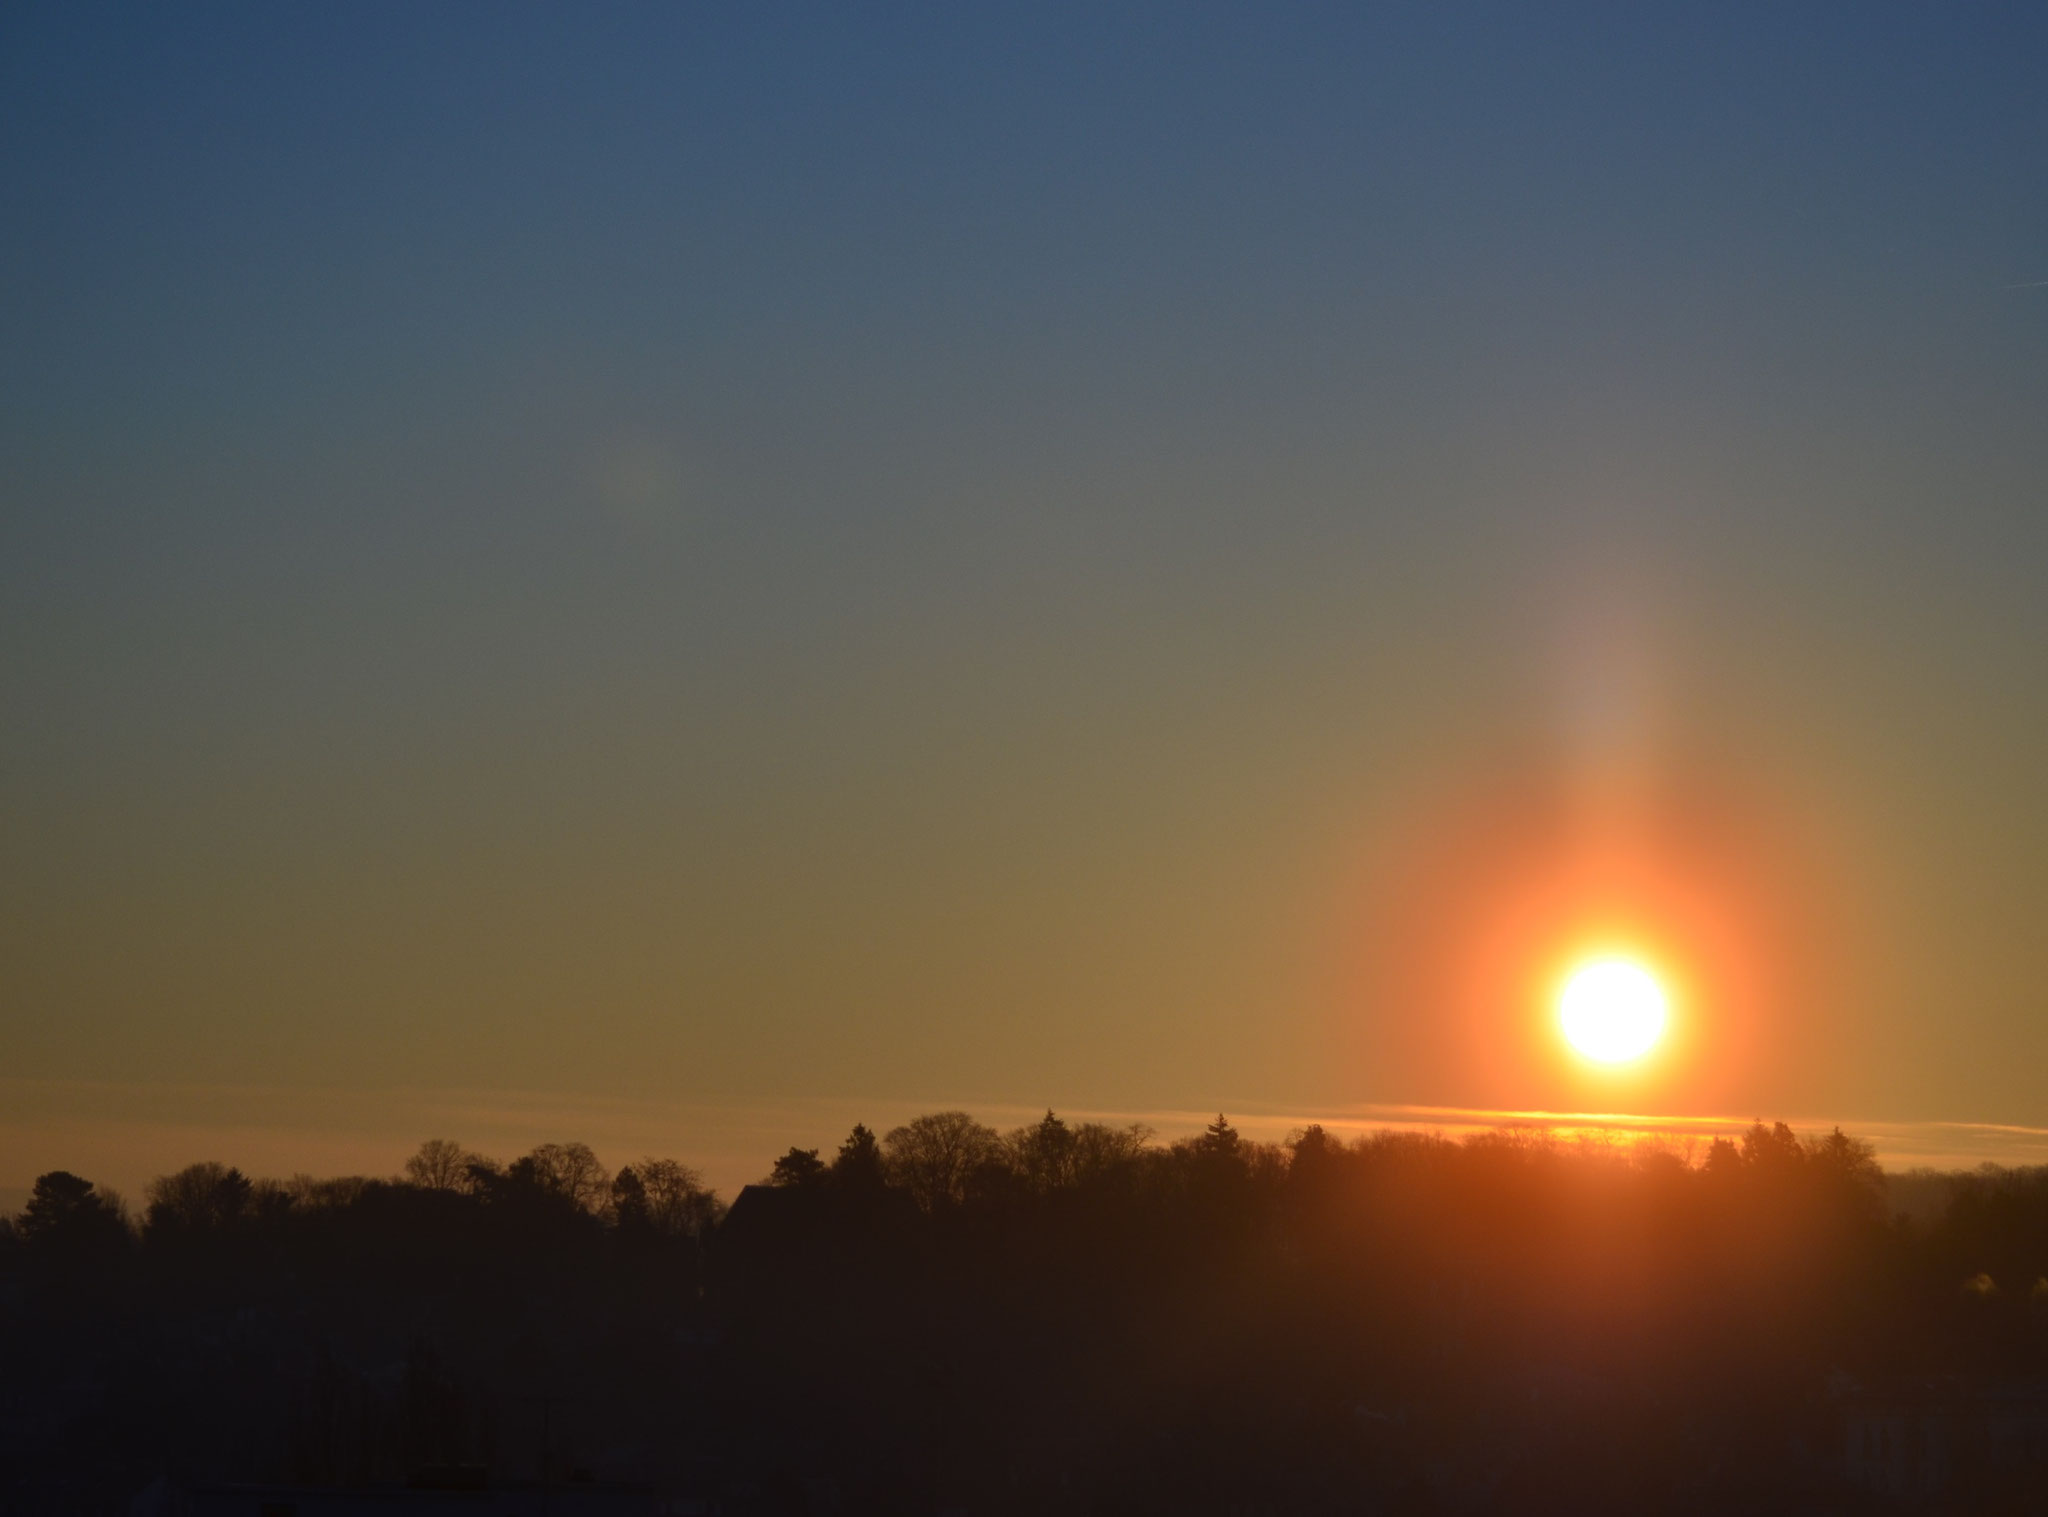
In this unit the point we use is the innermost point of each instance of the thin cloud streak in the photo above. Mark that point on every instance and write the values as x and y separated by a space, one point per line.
1900 1145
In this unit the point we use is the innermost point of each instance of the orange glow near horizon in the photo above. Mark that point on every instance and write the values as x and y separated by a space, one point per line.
1477 919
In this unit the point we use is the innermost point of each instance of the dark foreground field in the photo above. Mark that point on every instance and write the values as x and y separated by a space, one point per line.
1066 1319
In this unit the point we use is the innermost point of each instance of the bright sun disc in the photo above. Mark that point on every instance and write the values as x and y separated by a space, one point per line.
1612 1010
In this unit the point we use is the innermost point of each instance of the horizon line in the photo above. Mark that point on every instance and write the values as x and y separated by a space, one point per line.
157 1127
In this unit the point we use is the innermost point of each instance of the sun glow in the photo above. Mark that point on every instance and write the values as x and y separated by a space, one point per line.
1612 1010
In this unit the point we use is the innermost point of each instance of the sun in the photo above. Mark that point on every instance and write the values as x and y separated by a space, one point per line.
1612 1010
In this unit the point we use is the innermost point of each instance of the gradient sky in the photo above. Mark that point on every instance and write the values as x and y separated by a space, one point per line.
1134 558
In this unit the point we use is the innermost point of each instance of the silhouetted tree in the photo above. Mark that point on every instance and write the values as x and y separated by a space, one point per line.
679 1204
198 1199
1315 1158
1723 1158
439 1165
800 1166
858 1166
1216 1156
68 1213
932 1156
1774 1149
1219 1140
343 1190
629 1203
1044 1153
571 1171
529 1185
1102 1152
1848 1160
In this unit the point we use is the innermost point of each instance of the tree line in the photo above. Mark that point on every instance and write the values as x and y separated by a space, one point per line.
1068 1316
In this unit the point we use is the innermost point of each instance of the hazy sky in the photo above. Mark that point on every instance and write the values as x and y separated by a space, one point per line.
1130 558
